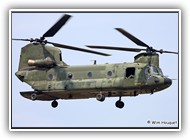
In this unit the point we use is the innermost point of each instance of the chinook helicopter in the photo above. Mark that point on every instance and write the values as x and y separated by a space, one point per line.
42 68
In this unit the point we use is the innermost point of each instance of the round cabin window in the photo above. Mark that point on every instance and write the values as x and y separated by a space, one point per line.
70 75
50 76
109 73
89 74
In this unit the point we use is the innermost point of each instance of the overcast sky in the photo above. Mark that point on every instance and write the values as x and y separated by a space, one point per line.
159 30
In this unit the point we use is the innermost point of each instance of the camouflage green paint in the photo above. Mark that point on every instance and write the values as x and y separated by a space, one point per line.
77 82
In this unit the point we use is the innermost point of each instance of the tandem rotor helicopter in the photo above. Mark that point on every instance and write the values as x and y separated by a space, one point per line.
42 68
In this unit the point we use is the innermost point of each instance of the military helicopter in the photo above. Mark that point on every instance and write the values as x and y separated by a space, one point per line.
42 68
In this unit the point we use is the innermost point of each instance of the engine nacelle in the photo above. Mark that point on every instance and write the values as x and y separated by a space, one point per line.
47 62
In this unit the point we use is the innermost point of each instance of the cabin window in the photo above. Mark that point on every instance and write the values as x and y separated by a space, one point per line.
130 72
50 76
70 75
109 73
60 57
89 74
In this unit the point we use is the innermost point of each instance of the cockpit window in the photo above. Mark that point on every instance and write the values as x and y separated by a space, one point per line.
160 71
148 70
153 70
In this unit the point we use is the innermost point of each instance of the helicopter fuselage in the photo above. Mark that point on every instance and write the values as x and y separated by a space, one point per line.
52 79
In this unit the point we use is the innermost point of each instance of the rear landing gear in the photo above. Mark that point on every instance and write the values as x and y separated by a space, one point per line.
119 104
54 104
33 96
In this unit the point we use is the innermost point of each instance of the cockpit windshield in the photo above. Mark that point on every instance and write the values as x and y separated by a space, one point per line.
160 71
153 70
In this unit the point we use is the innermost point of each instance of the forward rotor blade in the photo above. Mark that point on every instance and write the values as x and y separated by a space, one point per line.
131 37
55 28
162 51
77 49
116 48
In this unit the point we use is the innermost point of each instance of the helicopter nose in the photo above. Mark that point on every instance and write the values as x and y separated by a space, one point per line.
167 81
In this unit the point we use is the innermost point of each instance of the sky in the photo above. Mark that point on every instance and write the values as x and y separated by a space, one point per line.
159 30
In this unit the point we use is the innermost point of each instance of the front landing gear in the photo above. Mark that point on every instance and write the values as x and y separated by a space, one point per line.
100 97
54 104
119 104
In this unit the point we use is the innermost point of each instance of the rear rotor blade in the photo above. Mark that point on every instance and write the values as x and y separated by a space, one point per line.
77 49
132 38
55 28
21 39
116 48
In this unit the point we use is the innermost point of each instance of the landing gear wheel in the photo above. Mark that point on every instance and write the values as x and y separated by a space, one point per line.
33 96
119 104
54 104
100 97
152 92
